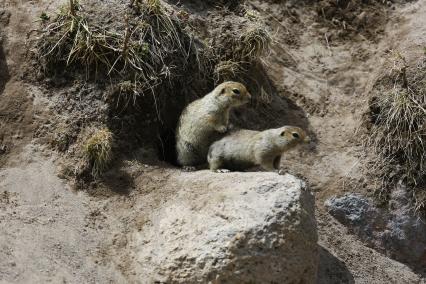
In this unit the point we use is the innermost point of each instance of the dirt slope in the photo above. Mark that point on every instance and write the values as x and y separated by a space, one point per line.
77 237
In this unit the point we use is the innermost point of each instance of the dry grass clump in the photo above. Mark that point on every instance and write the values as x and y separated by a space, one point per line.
246 47
144 49
398 132
98 150
399 128
255 42
234 54
154 6
227 70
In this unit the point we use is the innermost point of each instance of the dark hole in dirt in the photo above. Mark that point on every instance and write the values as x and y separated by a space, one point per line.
178 98
166 146
4 71
150 121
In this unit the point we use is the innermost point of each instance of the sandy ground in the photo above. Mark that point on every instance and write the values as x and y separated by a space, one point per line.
49 232
45 233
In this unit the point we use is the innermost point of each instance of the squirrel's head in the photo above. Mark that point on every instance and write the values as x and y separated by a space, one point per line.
290 136
234 93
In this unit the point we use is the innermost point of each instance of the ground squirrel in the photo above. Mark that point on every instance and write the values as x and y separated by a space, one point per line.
243 149
205 120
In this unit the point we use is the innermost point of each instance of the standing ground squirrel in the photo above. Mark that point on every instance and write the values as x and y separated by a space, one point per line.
243 149
205 120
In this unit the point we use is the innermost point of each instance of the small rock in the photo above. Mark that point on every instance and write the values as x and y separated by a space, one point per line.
395 231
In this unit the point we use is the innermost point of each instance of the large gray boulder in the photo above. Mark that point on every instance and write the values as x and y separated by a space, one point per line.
231 228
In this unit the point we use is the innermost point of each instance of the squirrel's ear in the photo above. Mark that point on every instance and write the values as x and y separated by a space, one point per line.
222 91
282 133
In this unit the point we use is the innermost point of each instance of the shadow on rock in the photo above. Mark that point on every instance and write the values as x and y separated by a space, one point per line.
331 270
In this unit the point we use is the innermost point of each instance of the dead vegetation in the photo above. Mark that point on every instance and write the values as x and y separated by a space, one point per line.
148 48
226 70
145 49
255 42
398 126
98 151
235 54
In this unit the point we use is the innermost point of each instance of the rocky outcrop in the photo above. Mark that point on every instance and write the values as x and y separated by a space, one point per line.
395 231
231 228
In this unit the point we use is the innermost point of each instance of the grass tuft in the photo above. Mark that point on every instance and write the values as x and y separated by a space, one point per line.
145 49
398 131
227 70
154 6
235 55
255 42
98 151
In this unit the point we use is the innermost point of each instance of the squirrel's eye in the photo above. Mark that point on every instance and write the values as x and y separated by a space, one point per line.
296 135
236 91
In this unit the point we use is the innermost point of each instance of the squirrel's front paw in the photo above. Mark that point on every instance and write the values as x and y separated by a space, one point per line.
222 129
189 169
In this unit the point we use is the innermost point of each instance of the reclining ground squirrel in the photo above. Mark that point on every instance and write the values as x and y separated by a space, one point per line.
243 149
